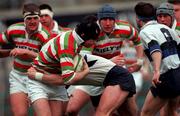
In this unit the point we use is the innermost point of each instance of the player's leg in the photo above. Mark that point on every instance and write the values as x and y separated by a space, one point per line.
58 101
112 97
77 100
129 107
19 104
119 85
169 108
56 107
46 100
152 105
42 107
18 94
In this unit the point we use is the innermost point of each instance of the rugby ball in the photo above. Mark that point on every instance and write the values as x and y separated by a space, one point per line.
78 62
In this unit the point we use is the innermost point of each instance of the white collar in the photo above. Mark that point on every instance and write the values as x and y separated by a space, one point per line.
39 27
55 27
78 39
174 24
149 23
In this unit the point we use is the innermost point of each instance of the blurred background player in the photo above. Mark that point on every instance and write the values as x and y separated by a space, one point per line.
176 5
27 38
47 20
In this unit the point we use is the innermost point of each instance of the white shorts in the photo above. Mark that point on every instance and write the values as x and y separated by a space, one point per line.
90 90
97 90
138 81
38 90
17 82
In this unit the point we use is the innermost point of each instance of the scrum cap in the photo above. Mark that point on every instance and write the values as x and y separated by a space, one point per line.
106 11
165 8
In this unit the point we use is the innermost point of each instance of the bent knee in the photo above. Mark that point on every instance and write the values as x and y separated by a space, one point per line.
145 112
72 109
19 112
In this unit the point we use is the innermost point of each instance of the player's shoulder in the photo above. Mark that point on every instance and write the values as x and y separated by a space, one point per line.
16 26
66 39
64 28
124 25
122 22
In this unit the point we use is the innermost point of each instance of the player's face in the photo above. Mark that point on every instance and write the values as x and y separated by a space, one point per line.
177 11
107 24
46 20
32 23
138 22
165 19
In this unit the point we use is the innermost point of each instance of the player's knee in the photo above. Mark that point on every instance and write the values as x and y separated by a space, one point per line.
147 112
19 112
101 112
73 110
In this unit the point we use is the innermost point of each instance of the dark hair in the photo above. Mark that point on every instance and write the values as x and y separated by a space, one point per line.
32 8
145 11
88 28
45 6
174 1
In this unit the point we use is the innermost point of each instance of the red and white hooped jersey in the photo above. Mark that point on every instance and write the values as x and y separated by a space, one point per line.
108 46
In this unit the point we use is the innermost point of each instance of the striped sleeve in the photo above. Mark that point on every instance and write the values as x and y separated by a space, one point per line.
13 31
134 36
66 48
3 38
128 31
44 36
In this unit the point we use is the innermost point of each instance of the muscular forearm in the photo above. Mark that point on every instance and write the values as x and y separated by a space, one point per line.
52 79
156 56
78 76
139 50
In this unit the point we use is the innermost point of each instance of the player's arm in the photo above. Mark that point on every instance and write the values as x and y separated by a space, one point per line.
56 79
156 56
80 74
138 64
119 60
134 37
23 52
52 79
4 41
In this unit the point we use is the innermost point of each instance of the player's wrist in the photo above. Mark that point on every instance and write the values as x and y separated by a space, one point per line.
140 61
38 76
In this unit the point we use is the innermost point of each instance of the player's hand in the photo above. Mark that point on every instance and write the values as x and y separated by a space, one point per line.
134 68
155 79
85 66
134 65
18 52
119 60
31 73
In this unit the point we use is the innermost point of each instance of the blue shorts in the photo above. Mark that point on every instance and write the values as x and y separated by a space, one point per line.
169 86
121 76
